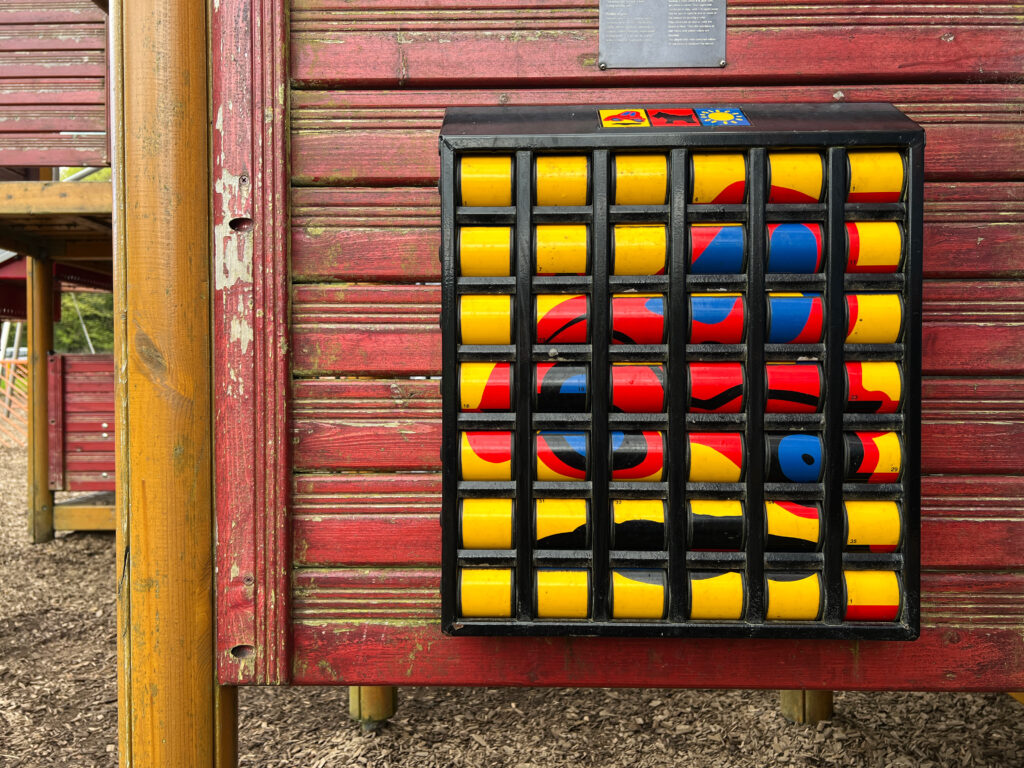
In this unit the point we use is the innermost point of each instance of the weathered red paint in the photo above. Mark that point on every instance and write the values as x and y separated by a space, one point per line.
369 89
81 429
251 361
53 108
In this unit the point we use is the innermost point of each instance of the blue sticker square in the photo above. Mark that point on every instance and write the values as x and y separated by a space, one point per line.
721 116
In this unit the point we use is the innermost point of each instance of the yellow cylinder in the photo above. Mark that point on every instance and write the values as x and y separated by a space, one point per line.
639 249
485 180
485 523
876 176
562 594
561 522
873 525
562 180
485 593
562 249
638 524
795 177
873 246
793 596
485 319
716 596
718 177
640 179
485 251
873 318
638 594
872 595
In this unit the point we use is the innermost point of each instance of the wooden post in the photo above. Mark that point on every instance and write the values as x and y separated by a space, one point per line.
806 707
39 288
172 712
371 705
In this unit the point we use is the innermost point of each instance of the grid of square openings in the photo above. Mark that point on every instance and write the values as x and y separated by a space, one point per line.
680 387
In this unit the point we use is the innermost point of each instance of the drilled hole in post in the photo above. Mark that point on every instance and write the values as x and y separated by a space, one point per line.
241 224
243 651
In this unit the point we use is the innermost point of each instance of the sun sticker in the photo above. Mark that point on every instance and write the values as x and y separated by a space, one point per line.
721 116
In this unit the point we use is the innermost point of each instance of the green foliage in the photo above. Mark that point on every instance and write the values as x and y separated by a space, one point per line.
98 314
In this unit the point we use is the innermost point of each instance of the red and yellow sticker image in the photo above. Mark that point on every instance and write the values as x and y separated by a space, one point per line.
793 596
873 387
715 525
639 249
872 595
561 180
485 319
873 246
638 456
485 523
485 593
485 387
562 455
485 180
638 593
640 179
638 524
873 457
873 526
873 318
717 595
561 523
715 387
562 594
631 117
638 318
485 455
791 526
562 319
796 177
718 177
485 251
793 387
876 176
562 249
638 387
714 457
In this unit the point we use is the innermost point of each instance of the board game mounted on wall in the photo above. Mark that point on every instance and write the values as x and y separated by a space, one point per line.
681 370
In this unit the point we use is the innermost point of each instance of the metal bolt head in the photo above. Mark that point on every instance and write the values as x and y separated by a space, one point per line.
602 65
721 63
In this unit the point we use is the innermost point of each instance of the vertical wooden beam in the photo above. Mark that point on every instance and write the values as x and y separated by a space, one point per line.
172 713
371 705
39 288
806 707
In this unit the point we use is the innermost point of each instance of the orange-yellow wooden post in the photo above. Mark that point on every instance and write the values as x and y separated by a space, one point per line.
171 711
39 290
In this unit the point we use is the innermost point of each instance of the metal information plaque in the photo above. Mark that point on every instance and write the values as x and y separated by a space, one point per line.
681 370
662 33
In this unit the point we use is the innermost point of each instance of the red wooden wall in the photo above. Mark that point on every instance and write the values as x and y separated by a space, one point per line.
53 63
81 437
369 84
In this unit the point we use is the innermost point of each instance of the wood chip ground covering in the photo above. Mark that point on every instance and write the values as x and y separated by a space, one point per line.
58 700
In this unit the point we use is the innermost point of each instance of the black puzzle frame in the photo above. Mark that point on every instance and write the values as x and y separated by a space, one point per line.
833 129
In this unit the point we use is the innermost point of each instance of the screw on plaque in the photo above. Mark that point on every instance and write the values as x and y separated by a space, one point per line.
602 65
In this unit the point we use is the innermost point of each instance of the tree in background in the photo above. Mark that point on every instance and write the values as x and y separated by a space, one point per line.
98 314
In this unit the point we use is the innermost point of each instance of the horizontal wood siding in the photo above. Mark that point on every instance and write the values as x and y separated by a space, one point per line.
84 447
53 65
369 89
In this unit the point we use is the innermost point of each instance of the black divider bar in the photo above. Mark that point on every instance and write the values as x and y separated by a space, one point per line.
678 323
757 190
835 330
600 371
523 455
449 405
912 376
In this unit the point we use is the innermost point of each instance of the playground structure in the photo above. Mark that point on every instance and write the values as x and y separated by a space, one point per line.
308 420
